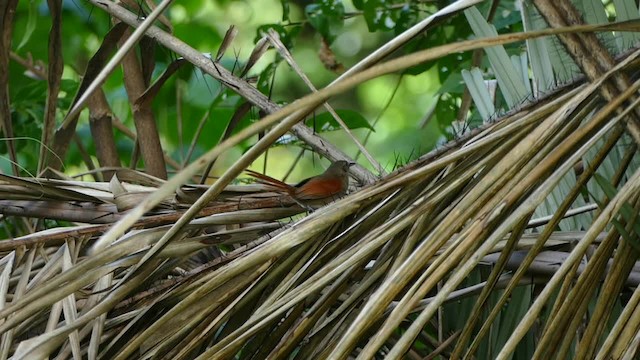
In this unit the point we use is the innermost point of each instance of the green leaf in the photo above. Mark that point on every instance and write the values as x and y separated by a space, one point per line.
626 10
446 112
594 12
452 30
31 24
353 119
453 84
606 186
505 19
541 67
198 34
479 93
418 43
326 16
285 10
625 235
627 212
407 17
511 315
511 85
378 16
563 66
285 36
30 92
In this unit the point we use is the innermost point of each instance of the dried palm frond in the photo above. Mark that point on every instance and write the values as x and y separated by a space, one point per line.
434 220
489 240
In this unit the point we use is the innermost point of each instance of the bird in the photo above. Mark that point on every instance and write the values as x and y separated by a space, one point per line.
331 184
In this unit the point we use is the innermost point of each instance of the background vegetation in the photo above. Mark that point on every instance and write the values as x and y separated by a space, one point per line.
403 131
511 232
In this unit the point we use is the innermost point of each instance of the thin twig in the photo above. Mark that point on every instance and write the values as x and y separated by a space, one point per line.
238 85
284 52
28 64
117 58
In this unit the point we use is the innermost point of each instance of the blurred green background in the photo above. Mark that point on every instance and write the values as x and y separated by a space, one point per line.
395 106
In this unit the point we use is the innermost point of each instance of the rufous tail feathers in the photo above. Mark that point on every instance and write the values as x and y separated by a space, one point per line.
268 180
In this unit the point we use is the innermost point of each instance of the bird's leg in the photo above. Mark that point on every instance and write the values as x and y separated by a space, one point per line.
304 206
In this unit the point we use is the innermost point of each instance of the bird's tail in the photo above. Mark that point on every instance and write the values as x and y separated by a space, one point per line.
268 180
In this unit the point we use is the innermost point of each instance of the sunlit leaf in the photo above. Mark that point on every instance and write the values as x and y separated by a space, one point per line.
31 24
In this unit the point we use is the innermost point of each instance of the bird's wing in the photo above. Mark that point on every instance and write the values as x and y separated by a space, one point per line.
319 188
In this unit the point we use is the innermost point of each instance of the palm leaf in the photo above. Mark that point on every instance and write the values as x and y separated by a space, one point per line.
488 247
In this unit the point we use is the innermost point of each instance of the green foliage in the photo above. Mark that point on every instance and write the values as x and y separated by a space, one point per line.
31 24
202 24
455 210
327 17
446 112
628 213
353 119
285 10
387 15
286 34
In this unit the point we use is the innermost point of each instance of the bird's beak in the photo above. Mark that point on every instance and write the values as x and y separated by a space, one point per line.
351 164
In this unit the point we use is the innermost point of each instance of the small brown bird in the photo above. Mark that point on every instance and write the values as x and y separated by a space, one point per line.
331 184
